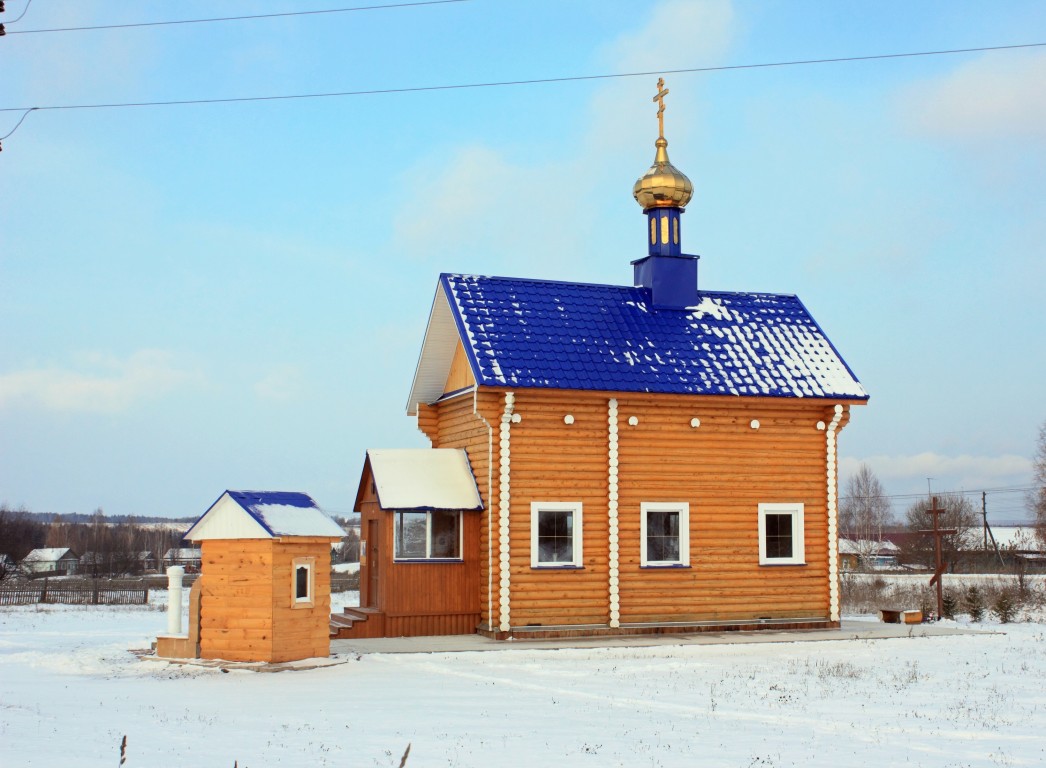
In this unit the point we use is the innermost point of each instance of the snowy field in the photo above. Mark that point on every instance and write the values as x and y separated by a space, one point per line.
70 690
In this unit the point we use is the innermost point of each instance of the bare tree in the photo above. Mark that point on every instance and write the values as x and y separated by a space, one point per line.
1038 494
864 512
959 514
19 534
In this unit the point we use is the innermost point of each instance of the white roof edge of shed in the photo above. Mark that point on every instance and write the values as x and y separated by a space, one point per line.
437 353
226 519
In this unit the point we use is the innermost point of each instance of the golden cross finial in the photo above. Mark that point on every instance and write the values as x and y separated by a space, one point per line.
660 99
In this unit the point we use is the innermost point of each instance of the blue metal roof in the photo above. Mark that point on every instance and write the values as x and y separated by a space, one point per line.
545 334
279 513
251 501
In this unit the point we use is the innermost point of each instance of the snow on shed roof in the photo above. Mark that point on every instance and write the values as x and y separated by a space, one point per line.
263 515
424 478
538 333
48 555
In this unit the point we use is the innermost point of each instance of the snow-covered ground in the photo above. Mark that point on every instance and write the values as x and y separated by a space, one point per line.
70 690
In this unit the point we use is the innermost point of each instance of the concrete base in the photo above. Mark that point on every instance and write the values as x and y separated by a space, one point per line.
853 629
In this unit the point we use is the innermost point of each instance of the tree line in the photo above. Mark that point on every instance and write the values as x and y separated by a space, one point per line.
112 548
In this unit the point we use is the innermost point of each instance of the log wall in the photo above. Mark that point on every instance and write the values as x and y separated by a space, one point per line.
723 469
458 423
245 601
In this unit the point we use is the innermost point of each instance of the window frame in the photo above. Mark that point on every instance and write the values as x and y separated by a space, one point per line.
428 558
683 508
309 601
577 544
796 510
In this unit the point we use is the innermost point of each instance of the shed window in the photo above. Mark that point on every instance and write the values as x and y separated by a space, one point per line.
781 540
303 582
555 534
427 535
665 533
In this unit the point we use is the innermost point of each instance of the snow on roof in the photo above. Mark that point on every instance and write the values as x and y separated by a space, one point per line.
263 515
183 553
535 333
424 478
867 546
1017 537
47 555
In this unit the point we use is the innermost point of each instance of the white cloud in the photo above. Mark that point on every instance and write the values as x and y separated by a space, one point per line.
700 30
479 196
476 198
282 384
997 96
104 384
693 33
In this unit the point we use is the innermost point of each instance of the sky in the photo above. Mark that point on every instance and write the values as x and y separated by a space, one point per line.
218 296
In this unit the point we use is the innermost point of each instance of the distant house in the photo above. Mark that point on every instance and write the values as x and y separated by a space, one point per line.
863 553
93 563
53 560
187 557
1021 542
108 563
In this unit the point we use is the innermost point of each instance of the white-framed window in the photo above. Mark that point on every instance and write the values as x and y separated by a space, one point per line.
664 533
781 539
303 582
434 535
555 534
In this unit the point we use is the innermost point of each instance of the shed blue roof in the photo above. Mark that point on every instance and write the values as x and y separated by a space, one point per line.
279 513
255 502
546 334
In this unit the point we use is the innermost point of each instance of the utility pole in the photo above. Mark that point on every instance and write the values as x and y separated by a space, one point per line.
988 529
938 571
984 515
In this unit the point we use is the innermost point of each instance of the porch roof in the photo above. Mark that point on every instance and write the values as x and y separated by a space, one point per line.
423 479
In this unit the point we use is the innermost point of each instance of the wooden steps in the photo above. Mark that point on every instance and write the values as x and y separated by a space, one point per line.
357 623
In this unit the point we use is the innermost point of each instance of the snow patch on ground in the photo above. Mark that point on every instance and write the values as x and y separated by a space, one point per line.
70 690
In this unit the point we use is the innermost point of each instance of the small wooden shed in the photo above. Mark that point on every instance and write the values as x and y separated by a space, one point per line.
264 588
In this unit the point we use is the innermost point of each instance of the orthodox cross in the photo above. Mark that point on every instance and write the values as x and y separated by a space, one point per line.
938 570
660 99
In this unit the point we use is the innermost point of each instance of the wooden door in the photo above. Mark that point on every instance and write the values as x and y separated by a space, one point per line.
373 565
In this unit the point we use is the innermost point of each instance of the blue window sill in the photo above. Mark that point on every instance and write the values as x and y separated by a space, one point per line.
430 560
664 567
782 565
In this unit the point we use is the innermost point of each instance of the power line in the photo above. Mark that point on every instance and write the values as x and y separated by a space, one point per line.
535 81
30 2
233 18
973 492
9 133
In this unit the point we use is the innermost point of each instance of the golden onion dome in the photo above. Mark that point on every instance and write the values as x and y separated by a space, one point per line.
664 185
